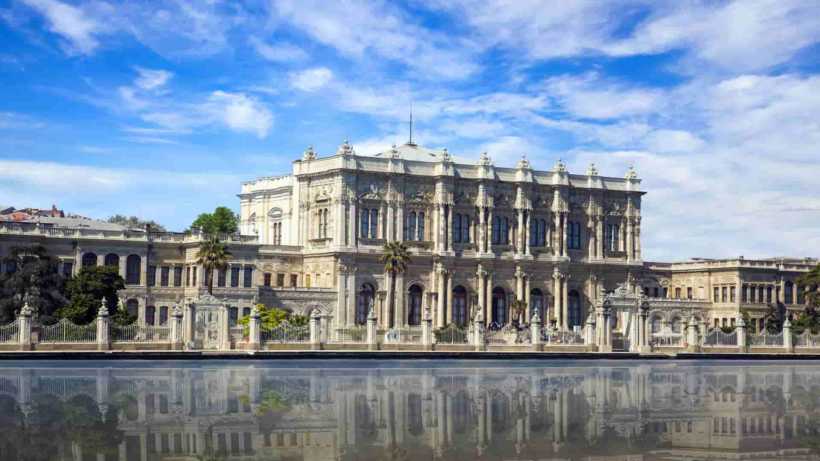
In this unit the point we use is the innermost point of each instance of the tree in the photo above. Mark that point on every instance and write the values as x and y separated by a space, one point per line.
811 281
221 222
518 307
86 291
270 318
133 222
35 279
396 257
212 255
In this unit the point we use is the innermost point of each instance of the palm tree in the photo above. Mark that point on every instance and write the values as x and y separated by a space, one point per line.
396 257
212 255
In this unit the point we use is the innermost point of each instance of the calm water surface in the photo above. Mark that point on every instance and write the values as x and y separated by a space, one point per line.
446 410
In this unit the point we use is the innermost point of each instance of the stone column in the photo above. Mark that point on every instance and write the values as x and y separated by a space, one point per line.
254 330
556 236
449 232
591 238
427 330
103 321
482 290
440 298
489 231
692 340
629 243
742 342
449 316
535 332
353 227
478 332
315 330
565 302
481 231
528 301
589 332
488 296
177 339
526 232
556 296
372 342
564 222
788 339
24 327
519 244
599 236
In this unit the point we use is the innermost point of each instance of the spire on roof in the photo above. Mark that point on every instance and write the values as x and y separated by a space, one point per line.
410 141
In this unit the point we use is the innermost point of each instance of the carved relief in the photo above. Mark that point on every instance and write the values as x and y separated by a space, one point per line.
418 193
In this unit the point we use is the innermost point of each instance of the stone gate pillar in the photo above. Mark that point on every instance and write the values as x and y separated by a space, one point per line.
103 328
24 327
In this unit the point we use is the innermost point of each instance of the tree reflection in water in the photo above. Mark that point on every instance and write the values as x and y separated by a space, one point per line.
453 411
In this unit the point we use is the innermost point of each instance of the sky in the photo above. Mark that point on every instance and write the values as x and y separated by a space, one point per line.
160 109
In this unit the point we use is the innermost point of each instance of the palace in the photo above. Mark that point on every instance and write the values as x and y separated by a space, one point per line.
485 242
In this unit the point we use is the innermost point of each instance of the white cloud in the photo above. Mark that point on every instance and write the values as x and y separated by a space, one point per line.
311 79
69 22
240 112
592 97
152 79
357 28
278 52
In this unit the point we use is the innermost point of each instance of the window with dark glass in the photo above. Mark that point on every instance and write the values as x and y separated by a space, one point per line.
374 221
234 277
132 270
89 259
613 231
221 277
717 294
267 279
193 276
689 292
457 228
151 276
247 281
233 316
164 273
294 280
150 314
574 235
420 227
68 268
280 280
163 315
177 276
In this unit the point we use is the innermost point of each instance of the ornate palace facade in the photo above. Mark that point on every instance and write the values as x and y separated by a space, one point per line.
481 238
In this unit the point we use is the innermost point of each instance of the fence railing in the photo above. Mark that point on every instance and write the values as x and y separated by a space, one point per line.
136 333
411 335
554 337
352 335
65 331
807 339
670 340
452 335
766 339
718 337
10 332
286 333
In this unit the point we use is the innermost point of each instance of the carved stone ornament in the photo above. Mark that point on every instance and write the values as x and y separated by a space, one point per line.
371 191
523 164
418 193
345 149
592 170
560 167
631 173
309 154
484 159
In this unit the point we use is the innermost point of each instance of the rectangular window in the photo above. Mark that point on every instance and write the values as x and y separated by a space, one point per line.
246 311
177 276
151 276
280 280
689 292
732 294
164 274
723 294
247 281
193 277
744 296
665 292
656 291
677 293
220 277
294 280
187 276
67 269
233 316
267 279
234 277
717 294
457 228
163 315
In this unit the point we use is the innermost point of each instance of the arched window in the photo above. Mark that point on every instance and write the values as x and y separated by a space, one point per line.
655 325
457 228
420 227
676 325
132 270
150 315
374 221
496 232
537 304
112 259
613 230
574 309
414 305
89 260
460 315
499 306
365 302
505 231
465 228
132 306
788 296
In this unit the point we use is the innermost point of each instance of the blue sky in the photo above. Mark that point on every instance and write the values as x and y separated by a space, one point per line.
160 109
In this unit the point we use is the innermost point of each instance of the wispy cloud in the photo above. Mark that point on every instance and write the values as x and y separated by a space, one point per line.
75 26
311 79
278 52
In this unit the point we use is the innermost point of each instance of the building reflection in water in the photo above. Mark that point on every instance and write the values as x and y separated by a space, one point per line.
455 411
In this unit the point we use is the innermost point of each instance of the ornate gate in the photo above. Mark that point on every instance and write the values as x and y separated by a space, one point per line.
209 324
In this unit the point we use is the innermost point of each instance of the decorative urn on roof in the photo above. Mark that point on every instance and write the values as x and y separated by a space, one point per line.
309 154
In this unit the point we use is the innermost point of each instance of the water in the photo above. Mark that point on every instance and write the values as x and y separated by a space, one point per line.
448 410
